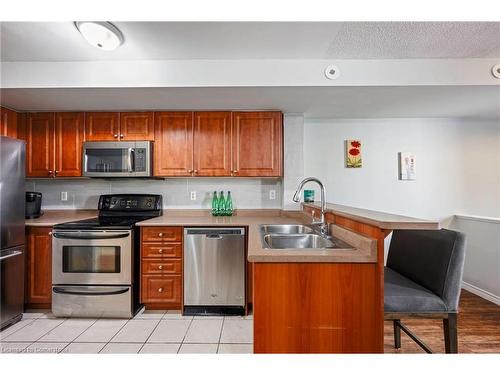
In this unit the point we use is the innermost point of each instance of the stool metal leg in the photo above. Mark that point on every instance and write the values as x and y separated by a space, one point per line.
397 334
450 333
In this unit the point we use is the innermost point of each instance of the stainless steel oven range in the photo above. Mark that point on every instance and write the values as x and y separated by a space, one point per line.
94 260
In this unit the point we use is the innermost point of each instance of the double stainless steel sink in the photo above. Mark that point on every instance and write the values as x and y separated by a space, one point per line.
297 237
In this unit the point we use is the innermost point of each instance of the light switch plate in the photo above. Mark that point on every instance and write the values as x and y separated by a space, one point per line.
64 195
272 194
193 195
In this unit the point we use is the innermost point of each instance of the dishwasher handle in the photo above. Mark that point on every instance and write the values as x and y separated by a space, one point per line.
214 233
214 236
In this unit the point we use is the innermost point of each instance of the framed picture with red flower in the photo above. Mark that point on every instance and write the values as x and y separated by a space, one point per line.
353 153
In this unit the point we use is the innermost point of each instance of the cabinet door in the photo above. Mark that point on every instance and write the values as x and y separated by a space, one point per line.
69 135
257 144
212 144
39 265
173 148
39 136
137 126
8 122
102 126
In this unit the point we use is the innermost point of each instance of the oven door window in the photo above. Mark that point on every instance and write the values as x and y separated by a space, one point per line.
107 160
91 259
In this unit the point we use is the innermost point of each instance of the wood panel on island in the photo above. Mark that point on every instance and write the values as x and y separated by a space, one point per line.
38 276
161 267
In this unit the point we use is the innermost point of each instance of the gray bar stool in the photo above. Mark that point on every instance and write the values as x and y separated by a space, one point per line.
423 279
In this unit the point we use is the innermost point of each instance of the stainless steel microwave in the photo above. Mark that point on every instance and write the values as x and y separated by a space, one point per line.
117 159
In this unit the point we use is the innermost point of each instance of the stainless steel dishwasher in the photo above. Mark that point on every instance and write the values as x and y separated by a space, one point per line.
214 271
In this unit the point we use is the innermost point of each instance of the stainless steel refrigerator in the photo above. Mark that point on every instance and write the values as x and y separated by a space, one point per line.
12 196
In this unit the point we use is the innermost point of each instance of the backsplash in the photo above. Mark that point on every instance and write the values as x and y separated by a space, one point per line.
84 193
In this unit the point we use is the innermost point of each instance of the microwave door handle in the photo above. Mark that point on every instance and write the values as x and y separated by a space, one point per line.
131 159
88 236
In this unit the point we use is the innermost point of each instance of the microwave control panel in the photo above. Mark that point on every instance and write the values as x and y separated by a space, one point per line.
140 160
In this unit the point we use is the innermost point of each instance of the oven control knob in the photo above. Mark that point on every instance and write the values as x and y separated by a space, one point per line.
160 267
160 251
160 290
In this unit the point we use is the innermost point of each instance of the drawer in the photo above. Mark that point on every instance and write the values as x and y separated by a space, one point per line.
164 234
161 289
161 250
161 267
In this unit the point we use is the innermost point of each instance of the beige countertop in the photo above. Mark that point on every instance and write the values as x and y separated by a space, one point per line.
53 217
248 218
379 219
364 251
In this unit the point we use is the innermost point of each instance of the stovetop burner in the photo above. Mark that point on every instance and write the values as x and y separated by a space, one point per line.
119 211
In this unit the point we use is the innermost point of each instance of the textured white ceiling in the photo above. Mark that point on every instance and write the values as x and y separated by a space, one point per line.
339 102
60 41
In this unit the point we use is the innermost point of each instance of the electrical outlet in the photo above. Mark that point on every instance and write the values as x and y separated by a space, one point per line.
64 195
272 194
193 195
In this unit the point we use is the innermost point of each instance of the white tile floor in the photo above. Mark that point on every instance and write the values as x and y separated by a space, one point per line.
148 332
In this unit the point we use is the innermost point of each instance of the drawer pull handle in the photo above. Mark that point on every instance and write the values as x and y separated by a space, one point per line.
160 251
160 234
160 267
160 290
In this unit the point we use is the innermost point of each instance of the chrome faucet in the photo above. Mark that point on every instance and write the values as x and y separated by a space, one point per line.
296 197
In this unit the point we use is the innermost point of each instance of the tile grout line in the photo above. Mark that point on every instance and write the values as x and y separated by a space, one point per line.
184 337
117 332
154 329
220 334
37 340
85 330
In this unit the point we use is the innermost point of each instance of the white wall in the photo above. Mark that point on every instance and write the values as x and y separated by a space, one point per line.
482 259
84 193
458 172
457 163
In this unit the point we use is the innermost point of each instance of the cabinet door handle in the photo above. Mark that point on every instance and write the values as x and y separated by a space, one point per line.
160 267
121 135
50 233
195 171
51 173
160 234
160 290
115 135
190 171
56 172
160 251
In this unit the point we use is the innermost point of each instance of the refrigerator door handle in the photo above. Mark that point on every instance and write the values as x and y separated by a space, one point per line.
11 255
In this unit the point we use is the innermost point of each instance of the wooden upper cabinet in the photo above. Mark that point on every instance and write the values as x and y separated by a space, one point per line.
257 144
38 133
38 265
212 144
69 137
137 126
8 122
173 149
102 126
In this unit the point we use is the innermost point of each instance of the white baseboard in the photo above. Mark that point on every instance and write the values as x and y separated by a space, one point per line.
481 293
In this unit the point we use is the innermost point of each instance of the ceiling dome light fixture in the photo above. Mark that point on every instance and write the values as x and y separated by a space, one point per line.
103 35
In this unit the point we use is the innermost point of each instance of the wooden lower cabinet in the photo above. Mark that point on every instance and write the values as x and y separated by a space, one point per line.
161 267
316 308
164 290
38 275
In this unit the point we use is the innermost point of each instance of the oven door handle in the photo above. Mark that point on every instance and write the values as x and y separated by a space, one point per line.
85 236
61 290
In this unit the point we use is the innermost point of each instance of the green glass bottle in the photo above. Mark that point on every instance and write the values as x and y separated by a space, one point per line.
229 204
215 204
221 205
